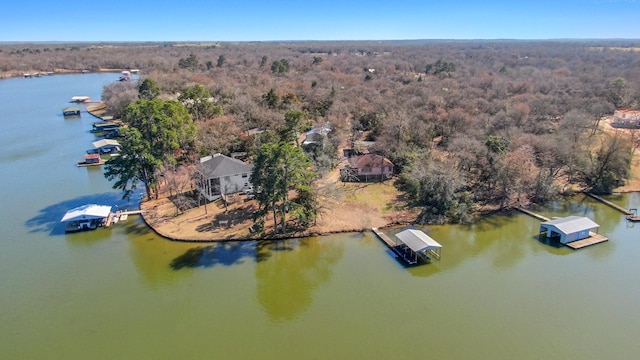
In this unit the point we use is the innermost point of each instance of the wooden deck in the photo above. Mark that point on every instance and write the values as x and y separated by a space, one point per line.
384 237
113 218
591 240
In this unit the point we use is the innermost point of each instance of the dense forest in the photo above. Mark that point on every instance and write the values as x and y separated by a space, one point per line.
466 123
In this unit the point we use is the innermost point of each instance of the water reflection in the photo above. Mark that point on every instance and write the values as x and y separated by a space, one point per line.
151 254
503 239
223 253
285 283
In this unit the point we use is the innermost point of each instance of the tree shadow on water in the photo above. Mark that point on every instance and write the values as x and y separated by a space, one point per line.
224 253
48 219
233 253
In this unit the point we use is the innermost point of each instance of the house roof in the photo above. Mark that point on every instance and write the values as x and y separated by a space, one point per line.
572 224
220 165
312 138
105 142
369 161
87 212
417 240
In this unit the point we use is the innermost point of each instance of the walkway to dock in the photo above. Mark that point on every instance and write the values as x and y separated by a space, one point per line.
113 218
591 240
531 213
617 207
384 237
401 250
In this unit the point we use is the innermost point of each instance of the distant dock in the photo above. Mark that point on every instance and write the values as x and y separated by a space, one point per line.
531 213
607 202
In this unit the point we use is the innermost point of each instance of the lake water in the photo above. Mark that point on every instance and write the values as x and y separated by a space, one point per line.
125 293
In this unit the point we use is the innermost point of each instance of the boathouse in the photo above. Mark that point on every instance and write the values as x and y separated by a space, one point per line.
418 245
85 217
107 146
70 111
80 99
568 229
91 160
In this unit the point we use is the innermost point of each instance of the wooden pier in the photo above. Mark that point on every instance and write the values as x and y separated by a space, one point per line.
399 249
617 207
387 240
531 213
591 240
633 216
117 216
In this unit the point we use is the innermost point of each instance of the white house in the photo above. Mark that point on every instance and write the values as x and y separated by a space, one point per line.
568 229
317 134
219 175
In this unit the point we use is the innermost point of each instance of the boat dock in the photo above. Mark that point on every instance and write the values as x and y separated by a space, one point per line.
71 111
117 216
593 239
617 207
531 213
387 240
401 250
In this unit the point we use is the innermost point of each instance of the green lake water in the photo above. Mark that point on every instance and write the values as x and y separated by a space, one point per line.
125 293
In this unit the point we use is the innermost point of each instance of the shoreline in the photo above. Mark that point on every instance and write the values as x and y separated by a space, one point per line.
200 225
171 227
20 74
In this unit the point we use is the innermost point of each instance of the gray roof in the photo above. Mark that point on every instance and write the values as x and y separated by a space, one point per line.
572 224
417 240
219 165
105 142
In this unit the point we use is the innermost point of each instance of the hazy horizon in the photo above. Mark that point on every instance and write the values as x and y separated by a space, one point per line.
287 21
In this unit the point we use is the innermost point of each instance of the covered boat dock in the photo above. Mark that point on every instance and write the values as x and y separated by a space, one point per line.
573 231
71 111
412 246
420 245
106 146
86 217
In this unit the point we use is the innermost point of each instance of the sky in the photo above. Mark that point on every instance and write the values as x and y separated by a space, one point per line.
275 20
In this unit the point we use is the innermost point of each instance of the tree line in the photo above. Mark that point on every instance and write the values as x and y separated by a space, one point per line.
467 124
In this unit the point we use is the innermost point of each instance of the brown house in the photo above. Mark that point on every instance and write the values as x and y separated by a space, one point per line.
367 168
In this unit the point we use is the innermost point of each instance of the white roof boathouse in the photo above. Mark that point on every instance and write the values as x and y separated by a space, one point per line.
412 246
573 231
86 217
418 246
